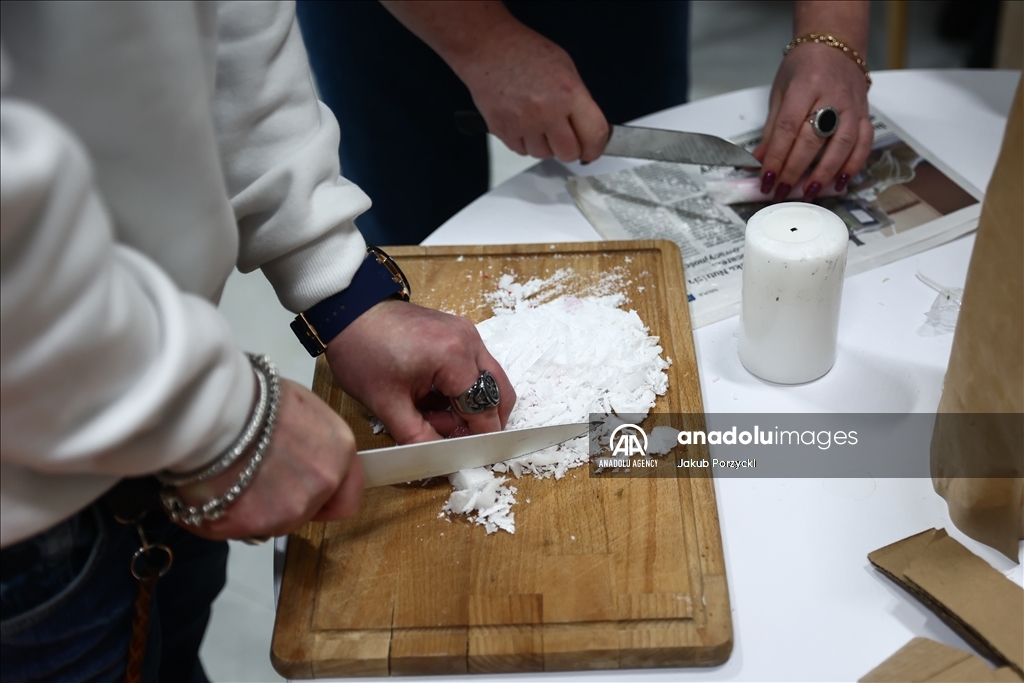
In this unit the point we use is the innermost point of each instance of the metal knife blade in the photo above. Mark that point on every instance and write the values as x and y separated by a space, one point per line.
677 146
399 464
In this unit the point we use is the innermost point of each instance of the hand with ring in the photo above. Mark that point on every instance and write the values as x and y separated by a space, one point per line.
423 373
818 106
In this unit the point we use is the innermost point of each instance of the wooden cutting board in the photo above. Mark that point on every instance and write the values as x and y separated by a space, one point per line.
600 574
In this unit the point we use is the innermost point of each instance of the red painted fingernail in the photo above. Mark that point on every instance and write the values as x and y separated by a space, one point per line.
841 182
767 182
781 192
811 191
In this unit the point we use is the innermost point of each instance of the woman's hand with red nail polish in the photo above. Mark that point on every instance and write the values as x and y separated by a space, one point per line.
813 76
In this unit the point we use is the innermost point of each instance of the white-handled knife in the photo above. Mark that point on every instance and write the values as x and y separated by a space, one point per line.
412 462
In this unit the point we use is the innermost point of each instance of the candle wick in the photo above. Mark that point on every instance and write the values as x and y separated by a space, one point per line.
792 229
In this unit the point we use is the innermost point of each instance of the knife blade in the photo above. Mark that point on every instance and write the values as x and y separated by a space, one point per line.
412 462
655 144
678 146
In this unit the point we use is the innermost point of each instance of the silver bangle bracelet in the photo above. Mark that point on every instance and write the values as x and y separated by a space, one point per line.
235 450
215 508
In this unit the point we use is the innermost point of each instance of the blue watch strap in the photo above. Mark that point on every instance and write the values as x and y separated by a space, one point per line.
377 278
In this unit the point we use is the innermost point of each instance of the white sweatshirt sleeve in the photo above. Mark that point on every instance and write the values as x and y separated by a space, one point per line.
106 366
118 163
107 369
279 145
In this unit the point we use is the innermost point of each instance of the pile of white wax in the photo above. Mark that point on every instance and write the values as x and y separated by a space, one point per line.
567 357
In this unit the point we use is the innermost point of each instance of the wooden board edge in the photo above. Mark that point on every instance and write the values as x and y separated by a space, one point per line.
532 248
718 629
718 633
494 650
710 533
291 645
440 651
665 643
354 653
705 656
679 326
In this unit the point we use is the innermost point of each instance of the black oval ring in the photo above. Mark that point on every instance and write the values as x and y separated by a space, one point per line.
824 122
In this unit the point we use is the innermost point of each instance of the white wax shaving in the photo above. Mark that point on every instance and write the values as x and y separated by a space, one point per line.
567 357
662 440
483 498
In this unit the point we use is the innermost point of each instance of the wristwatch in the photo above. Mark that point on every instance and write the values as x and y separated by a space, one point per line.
378 278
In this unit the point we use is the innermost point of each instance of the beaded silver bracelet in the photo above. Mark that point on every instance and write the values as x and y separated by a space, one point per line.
234 451
215 508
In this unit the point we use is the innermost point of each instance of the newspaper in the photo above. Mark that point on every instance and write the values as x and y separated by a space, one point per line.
900 204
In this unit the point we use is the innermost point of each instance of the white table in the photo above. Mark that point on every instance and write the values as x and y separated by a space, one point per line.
806 603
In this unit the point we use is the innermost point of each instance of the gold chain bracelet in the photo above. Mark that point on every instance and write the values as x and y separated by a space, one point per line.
831 41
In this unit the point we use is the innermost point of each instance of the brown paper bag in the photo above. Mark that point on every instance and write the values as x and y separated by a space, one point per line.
977 444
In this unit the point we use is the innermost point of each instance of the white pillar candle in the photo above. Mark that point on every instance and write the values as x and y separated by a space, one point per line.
793 263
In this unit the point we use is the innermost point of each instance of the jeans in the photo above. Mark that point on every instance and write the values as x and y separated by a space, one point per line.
396 100
67 601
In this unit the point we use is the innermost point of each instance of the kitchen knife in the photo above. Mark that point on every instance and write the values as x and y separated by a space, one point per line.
677 146
649 143
412 462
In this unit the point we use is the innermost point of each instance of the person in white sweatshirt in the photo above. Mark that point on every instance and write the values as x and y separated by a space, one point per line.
148 149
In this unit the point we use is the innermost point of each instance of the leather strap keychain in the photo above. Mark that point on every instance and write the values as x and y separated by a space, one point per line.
129 502
149 563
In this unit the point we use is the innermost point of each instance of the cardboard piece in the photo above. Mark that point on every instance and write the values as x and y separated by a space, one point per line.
980 597
975 600
893 559
977 462
926 660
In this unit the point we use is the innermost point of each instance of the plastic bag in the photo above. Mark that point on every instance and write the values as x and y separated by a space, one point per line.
942 316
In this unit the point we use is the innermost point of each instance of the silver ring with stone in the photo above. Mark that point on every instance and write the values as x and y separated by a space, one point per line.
482 395
824 122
